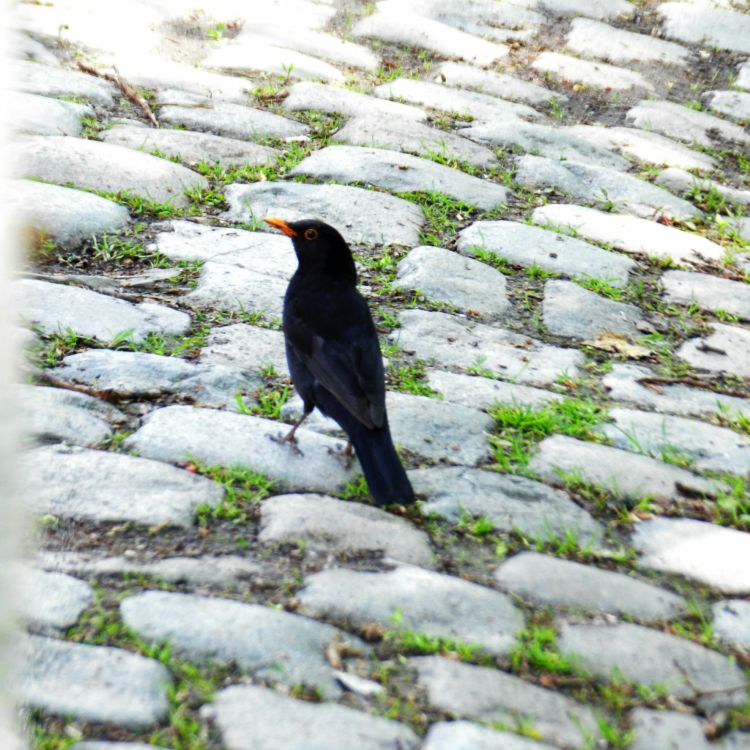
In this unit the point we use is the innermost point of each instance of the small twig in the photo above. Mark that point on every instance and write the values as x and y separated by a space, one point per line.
124 86
697 382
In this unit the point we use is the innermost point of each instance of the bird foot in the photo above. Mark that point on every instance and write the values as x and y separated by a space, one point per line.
289 440
343 454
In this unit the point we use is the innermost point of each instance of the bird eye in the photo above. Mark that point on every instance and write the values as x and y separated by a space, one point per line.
311 234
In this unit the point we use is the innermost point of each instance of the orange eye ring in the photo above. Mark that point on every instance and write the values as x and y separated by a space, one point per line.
311 234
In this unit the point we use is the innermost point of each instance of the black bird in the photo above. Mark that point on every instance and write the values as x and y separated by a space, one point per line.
334 356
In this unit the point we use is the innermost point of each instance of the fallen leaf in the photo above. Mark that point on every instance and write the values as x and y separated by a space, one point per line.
619 344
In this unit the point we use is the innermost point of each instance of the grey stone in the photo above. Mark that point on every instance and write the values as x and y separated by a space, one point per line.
683 182
698 23
41 115
509 502
99 486
57 307
481 393
625 475
708 292
604 186
361 216
325 46
213 437
570 310
247 347
224 571
445 276
596 74
595 39
191 147
667 729
138 374
146 73
321 98
270 254
501 85
714 555
358 685
64 215
412 137
611 10
437 430
650 657
48 80
643 145
727 349
329 525
107 745
393 170
434 95
494 696
484 18
394 24
59 415
102 166
549 581
455 341
196 112
248 53
463 735
732 622
559 253
245 290
49 601
423 601
735 104
255 718
283 647
709 446
25 47
545 140
92 683
684 123
624 384
630 234
743 76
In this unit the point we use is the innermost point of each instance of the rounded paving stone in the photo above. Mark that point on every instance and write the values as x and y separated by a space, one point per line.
445 276
63 214
255 718
283 646
732 622
105 167
329 525
410 598
91 683
549 581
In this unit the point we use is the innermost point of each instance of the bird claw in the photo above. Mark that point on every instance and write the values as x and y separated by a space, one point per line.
344 455
287 440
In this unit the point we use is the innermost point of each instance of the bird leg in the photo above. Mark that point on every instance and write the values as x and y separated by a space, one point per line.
345 454
289 437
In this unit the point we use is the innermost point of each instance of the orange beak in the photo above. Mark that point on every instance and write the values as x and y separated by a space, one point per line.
281 225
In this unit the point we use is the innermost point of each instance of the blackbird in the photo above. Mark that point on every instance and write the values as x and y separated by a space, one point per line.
334 356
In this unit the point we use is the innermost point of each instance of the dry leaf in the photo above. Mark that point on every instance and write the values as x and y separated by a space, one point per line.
619 344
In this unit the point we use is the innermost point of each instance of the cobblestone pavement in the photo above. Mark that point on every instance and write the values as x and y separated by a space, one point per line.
546 200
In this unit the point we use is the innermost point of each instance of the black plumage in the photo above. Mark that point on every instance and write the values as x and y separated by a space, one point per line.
334 356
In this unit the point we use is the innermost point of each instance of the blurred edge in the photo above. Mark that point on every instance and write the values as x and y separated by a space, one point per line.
10 511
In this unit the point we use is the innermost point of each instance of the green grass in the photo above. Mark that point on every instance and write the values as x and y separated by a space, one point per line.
537 650
414 642
243 487
409 378
519 428
443 215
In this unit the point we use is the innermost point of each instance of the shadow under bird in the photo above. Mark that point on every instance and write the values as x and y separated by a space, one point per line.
334 356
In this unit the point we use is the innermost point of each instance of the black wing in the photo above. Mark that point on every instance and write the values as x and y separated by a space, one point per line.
336 340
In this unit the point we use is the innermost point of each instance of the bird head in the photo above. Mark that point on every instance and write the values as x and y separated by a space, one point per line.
318 246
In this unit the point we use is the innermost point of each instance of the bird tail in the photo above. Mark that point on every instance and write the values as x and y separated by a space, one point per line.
381 465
